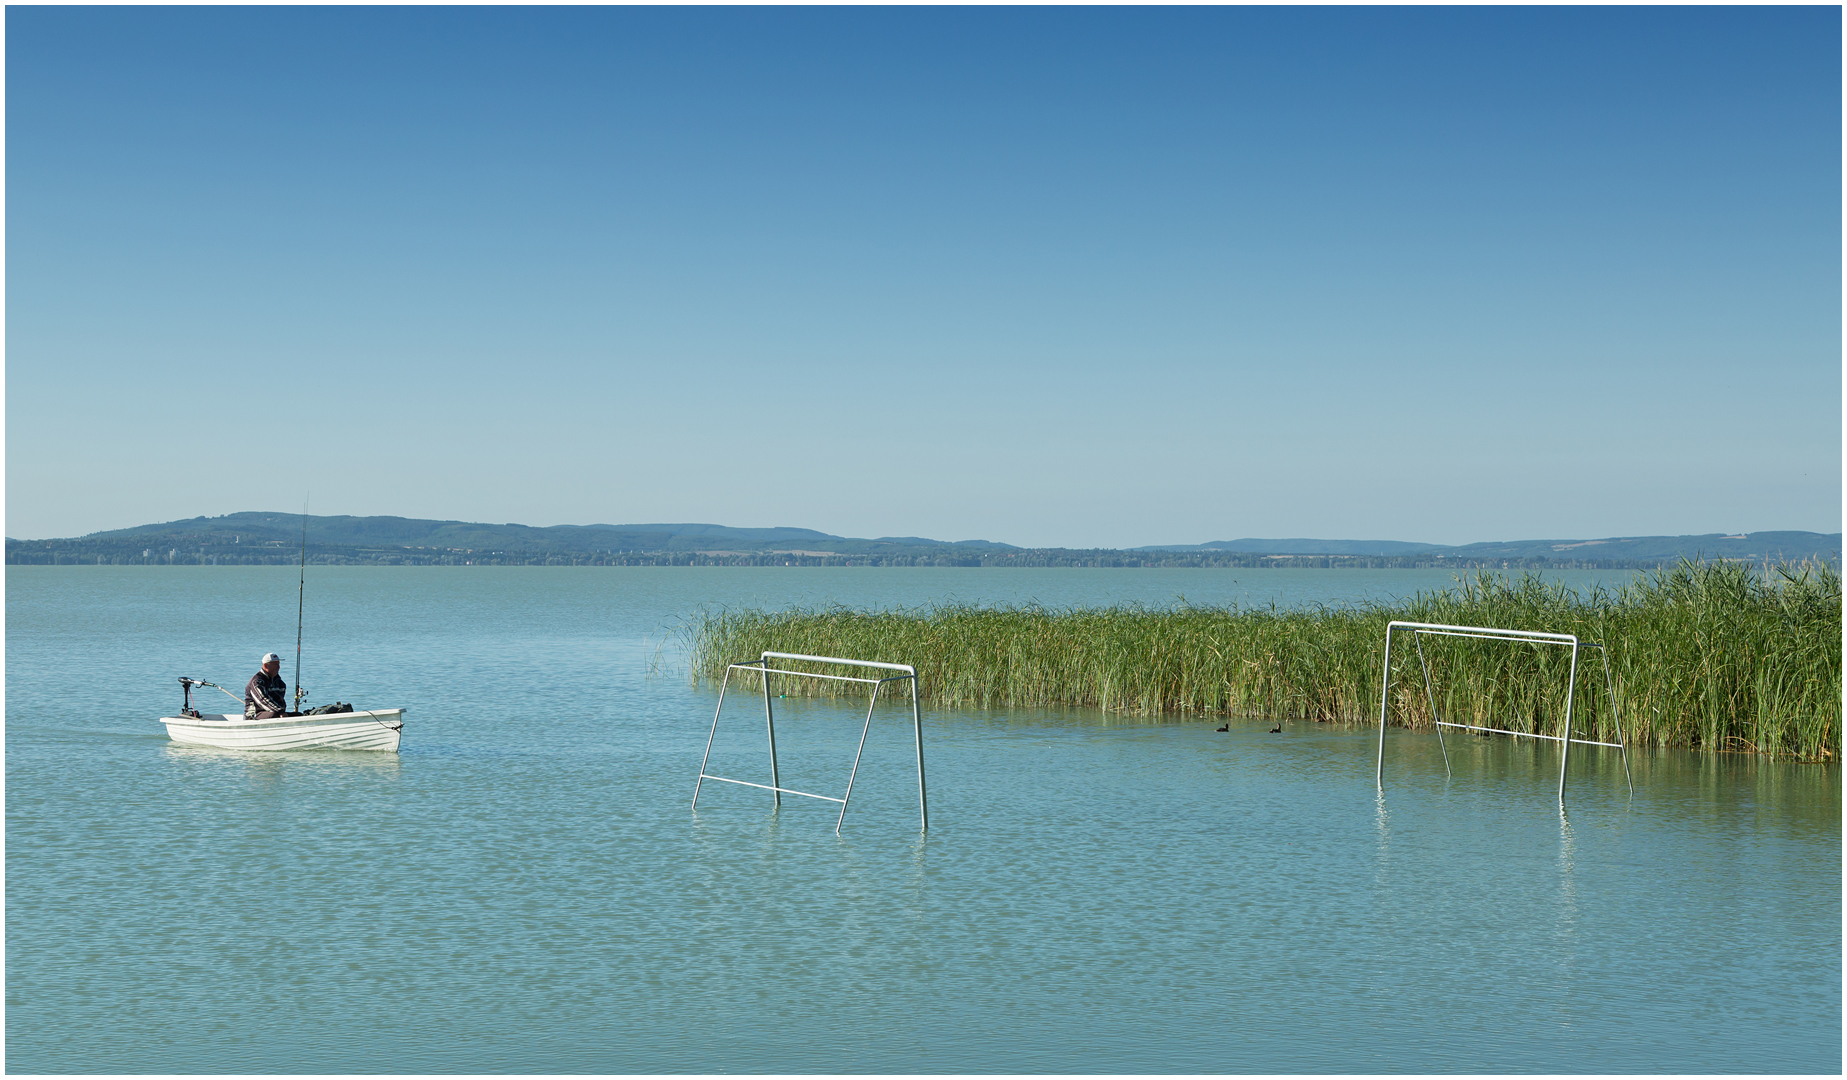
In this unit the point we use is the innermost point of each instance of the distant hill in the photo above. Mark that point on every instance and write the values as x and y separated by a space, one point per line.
277 538
1754 546
1303 547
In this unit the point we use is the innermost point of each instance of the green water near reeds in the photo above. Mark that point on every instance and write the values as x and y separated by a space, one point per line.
1709 655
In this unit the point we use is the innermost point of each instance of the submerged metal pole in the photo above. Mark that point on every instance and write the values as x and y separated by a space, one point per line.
923 804
1564 756
769 721
1385 697
708 739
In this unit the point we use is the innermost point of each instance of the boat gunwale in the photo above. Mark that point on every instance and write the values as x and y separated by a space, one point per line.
226 723
372 730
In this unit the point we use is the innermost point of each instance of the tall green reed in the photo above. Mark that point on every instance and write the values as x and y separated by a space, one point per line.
1717 655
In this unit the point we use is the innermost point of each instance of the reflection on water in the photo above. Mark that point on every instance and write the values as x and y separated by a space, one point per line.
525 888
277 762
1567 887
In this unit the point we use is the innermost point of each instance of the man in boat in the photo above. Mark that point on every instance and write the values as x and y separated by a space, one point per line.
266 696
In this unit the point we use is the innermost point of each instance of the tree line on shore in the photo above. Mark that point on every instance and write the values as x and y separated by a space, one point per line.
258 538
215 551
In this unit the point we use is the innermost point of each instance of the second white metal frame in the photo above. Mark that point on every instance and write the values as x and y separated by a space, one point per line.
763 668
1534 637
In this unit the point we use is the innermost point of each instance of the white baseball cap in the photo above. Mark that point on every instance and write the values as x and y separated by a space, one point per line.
268 656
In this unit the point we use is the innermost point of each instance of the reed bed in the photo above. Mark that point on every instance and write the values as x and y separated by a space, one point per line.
1721 656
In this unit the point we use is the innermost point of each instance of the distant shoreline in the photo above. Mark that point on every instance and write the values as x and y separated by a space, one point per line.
1023 559
269 539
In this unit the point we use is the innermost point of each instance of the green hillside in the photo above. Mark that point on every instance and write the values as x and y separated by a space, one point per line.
254 537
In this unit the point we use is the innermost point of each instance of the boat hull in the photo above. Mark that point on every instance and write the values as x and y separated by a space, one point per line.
362 729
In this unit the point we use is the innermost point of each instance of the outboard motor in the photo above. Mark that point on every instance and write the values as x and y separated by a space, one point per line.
186 686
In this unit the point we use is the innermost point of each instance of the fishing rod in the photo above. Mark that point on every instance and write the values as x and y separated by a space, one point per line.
301 596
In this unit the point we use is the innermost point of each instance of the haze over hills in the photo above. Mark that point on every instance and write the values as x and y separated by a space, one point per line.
254 537
1303 547
1759 545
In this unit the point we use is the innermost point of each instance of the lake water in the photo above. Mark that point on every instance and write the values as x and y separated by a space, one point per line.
525 888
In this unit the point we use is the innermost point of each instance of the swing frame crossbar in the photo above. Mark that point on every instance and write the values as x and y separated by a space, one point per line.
1565 739
761 666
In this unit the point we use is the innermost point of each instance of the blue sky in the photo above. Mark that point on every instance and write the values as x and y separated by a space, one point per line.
1045 276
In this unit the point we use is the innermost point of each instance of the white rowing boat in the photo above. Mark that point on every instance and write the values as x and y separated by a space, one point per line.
361 729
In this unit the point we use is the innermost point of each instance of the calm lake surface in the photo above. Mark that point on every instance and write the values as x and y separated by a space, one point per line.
525 889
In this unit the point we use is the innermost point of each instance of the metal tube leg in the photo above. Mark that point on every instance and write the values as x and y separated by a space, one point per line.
857 754
769 721
1430 696
708 739
1385 697
1621 739
923 802
1564 756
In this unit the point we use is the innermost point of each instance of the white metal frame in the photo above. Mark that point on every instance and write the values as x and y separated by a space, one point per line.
763 668
1534 637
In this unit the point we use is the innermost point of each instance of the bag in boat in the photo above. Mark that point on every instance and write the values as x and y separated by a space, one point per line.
323 710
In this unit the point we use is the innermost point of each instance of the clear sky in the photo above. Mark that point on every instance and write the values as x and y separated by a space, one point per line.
1064 277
